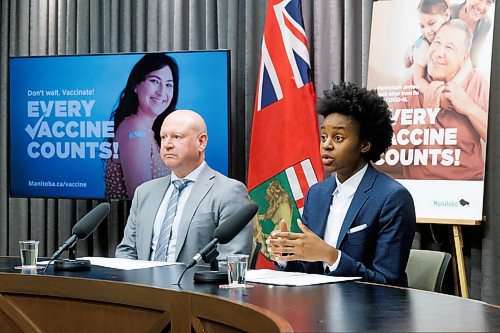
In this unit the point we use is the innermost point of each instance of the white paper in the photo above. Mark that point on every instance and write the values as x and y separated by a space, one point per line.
125 264
281 278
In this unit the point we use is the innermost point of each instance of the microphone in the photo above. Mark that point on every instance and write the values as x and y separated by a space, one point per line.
225 232
82 229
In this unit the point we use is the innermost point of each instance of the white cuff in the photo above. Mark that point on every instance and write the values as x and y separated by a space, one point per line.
281 264
335 264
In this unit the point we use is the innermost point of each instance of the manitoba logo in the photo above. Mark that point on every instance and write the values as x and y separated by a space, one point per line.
464 202
281 197
450 203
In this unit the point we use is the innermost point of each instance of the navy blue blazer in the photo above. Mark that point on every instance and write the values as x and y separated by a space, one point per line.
384 214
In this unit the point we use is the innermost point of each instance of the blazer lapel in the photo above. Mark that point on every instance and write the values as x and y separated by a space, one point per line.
200 189
359 199
323 205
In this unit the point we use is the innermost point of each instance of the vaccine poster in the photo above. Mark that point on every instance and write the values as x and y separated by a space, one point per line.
62 127
431 61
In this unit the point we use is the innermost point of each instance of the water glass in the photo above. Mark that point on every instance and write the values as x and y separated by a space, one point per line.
29 253
236 269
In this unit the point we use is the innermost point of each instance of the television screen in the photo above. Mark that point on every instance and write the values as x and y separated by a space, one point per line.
87 126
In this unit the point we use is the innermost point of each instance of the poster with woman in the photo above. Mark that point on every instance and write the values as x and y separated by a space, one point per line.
431 61
87 126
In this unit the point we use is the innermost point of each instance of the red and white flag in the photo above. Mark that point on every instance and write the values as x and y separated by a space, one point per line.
284 149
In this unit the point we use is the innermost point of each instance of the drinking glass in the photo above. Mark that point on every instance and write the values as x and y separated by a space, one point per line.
236 269
29 253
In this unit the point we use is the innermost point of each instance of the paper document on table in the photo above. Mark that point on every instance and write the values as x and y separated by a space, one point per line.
281 278
125 264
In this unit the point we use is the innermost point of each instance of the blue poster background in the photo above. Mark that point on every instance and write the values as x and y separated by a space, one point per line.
37 85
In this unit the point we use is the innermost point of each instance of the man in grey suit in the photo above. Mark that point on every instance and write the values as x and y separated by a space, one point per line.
172 218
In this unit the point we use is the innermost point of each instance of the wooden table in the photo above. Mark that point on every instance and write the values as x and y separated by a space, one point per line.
147 300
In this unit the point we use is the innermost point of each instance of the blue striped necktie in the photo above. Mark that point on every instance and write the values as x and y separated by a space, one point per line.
166 227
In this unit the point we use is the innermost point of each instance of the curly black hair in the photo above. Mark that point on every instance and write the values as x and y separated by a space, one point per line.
367 108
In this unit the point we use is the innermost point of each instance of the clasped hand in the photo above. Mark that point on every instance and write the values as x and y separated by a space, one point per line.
446 96
284 245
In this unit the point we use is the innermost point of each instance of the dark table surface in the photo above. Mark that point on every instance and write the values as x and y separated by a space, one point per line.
346 306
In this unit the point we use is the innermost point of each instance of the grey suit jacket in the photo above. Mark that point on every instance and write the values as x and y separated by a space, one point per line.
213 198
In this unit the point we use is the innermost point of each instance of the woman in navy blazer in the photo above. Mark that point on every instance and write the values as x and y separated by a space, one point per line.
359 222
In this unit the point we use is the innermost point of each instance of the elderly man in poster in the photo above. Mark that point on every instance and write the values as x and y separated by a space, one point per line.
460 95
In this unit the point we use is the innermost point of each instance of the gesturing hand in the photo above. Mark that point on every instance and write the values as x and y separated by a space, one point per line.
307 246
273 237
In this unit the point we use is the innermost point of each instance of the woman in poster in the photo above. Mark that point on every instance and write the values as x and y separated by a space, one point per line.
149 96
475 14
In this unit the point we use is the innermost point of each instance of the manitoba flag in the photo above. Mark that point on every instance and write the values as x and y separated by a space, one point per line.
284 149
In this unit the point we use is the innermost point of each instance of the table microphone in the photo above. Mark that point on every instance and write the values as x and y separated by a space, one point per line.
227 230
223 234
82 229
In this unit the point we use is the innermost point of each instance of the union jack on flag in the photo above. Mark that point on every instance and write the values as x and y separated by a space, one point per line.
284 148
289 21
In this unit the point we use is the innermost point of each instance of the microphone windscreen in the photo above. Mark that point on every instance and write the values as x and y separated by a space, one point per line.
90 221
235 223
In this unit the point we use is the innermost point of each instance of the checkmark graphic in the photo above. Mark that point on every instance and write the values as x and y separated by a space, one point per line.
33 130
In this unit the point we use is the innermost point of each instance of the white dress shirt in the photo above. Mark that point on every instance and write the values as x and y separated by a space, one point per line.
342 198
160 215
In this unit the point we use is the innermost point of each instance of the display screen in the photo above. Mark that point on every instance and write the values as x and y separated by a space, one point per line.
84 126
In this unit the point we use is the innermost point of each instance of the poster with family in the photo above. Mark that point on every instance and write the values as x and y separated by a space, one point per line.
431 61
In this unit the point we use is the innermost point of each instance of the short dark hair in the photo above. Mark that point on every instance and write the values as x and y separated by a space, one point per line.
367 108
433 6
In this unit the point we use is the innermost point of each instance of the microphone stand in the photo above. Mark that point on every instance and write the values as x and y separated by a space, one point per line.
206 276
72 264
213 275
